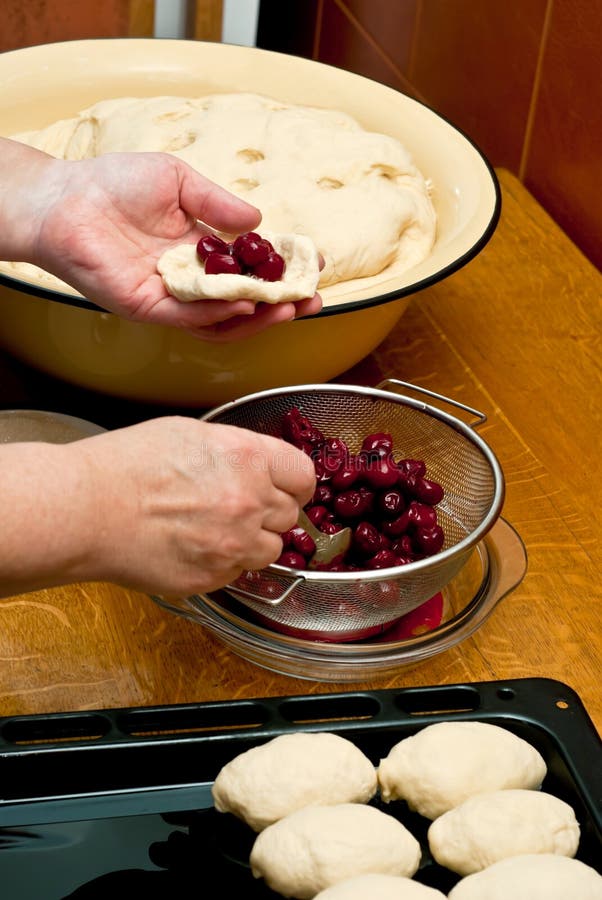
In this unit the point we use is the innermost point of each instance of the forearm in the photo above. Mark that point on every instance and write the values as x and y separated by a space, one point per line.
30 181
48 517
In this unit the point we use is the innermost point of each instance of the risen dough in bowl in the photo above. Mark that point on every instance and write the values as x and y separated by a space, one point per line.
318 846
445 763
542 876
267 782
310 171
499 824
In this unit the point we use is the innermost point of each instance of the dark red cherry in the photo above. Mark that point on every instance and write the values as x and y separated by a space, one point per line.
316 514
412 466
325 465
394 528
429 540
422 515
346 476
384 559
391 503
271 268
301 541
291 560
379 443
222 264
366 539
336 564
315 437
403 546
423 489
336 448
251 249
323 495
329 457
287 539
328 527
354 503
211 243
298 430
381 473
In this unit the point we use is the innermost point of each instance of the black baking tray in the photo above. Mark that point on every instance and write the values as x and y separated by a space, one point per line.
120 800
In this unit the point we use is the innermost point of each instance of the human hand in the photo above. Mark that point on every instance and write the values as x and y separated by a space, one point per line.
101 225
181 507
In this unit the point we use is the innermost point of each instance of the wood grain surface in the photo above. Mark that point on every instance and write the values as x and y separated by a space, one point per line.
515 333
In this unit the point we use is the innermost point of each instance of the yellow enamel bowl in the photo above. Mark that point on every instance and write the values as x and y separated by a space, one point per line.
68 337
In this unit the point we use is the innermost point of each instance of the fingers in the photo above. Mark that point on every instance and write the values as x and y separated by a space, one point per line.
282 515
264 316
291 471
154 305
215 206
201 314
217 321
309 307
265 550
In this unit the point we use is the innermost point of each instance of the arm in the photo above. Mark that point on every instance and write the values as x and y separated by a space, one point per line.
170 506
101 225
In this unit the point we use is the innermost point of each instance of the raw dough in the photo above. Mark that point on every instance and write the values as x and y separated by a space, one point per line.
184 275
267 782
317 846
498 824
445 763
310 171
379 887
542 876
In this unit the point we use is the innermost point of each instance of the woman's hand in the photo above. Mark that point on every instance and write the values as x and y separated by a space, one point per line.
171 506
101 225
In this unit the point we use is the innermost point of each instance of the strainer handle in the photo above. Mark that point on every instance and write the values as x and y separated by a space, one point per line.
270 601
480 417
181 606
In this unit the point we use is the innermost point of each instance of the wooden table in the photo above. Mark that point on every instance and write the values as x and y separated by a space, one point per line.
516 334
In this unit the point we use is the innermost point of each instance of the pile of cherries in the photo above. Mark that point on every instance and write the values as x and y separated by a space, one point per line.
389 504
248 254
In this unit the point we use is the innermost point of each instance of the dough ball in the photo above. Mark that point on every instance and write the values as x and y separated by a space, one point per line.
492 826
542 876
379 887
318 846
184 276
291 771
445 763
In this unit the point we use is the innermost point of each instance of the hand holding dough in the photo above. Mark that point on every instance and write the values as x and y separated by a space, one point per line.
184 274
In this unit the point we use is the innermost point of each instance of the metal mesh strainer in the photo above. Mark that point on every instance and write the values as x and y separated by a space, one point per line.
348 606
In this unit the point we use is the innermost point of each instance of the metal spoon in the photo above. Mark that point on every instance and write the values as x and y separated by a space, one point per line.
327 545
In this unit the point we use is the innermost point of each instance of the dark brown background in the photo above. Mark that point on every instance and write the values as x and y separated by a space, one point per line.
521 77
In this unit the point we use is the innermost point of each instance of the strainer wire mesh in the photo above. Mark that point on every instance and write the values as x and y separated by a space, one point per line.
455 456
